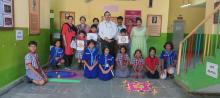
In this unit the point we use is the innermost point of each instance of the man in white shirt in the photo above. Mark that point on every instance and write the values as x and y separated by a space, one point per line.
108 33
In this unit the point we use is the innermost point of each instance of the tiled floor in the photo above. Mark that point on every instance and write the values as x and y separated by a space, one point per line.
97 89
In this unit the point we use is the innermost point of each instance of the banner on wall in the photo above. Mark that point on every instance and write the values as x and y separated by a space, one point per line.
132 14
34 17
212 69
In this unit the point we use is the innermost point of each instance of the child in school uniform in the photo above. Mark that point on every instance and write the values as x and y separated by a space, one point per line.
34 71
122 62
168 59
79 52
138 63
152 63
106 64
90 60
94 30
56 55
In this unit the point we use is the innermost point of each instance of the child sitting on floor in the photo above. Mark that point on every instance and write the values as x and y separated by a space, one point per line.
152 62
90 60
122 61
106 63
138 63
56 55
168 60
34 71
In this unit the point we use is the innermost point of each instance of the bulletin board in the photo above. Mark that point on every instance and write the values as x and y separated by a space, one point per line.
6 13
34 17
64 15
154 24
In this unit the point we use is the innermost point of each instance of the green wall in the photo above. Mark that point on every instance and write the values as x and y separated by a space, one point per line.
12 53
158 42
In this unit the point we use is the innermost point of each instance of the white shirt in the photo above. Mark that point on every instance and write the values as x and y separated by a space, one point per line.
107 29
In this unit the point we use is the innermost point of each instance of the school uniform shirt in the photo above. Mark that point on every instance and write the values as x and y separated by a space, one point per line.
152 63
56 52
106 61
107 29
122 67
68 33
168 57
90 56
137 63
32 58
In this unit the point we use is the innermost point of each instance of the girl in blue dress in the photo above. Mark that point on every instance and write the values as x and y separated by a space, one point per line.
90 60
106 63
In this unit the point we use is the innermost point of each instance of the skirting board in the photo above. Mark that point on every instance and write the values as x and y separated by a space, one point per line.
13 84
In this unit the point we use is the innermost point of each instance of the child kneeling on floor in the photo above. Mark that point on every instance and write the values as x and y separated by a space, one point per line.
106 64
34 71
90 61
152 62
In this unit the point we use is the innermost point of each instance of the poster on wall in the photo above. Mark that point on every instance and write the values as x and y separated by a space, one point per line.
212 69
19 35
34 17
132 14
64 15
154 24
6 14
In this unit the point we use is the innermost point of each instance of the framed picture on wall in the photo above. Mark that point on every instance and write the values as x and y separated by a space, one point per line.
113 19
132 14
64 15
34 17
6 13
8 21
154 24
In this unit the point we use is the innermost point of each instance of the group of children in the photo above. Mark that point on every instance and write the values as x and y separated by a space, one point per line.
102 64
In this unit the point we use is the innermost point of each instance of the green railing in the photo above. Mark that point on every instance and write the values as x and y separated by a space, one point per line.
197 45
